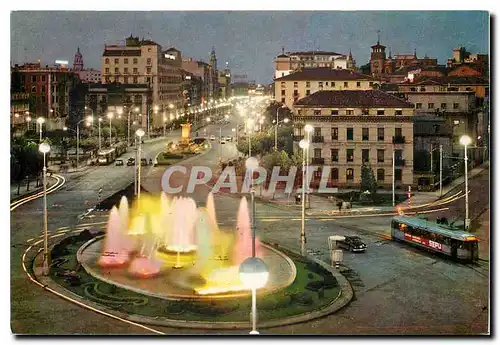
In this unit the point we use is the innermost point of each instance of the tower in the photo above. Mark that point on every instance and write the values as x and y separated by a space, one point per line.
377 58
213 64
213 59
78 61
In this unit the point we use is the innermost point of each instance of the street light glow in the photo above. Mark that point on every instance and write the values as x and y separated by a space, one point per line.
110 115
139 132
90 119
286 120
44 148
465 140
304 144
308 128
40 120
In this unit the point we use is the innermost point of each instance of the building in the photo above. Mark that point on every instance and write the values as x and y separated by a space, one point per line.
240 89
291 88
479 62
49 90
87 76
224 84
355 127
143 62
19 102
204 71
116 98
291 62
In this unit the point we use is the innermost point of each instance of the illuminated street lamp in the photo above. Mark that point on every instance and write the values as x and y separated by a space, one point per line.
308 129
140 133
28 120
110 117
250 126
40 122
304 145
45 148
466 140
254 274
208 119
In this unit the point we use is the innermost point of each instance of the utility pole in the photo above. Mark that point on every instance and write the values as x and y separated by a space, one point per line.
440 170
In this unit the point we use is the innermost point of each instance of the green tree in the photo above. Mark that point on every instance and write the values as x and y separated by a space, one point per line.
368 182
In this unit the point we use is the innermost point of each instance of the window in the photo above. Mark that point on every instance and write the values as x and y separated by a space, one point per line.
358 84
349 112
430 105
335 133
43 78
334 112
350 155
125 80
135 61
380 175
332 84
398 112
398 174
117 61
135 70
125 61
295 93
43 89
335 174
335 155
326 83
308 84
308 92
350 133
398 132
422 89
380 155
117 70
295 84
135 80
283 85
317 153
371 84
107 79
283 92
282 74
317 131
33 78
125 70
380 134
365 133
365 111
380 111
317 111
299 111
148 61
346 84
148 80
106 60
443 105
33 89
413 89
282 100
148 70
365 155
349 173
455 105
320 84
106 70
418 106
149 49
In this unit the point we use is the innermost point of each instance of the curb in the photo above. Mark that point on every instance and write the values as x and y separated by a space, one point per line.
33 192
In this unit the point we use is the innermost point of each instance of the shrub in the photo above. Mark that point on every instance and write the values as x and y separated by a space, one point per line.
310 275
314 285
302 298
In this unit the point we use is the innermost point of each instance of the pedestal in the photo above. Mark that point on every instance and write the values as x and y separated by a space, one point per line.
186 132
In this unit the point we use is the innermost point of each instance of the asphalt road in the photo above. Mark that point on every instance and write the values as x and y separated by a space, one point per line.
398 289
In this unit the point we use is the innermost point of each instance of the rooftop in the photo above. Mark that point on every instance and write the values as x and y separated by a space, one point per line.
122 52
353 98
314 52
452 80
325 73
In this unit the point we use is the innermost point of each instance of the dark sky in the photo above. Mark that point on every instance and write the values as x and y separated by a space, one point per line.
249 41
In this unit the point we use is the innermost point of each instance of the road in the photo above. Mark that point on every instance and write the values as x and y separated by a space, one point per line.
398 289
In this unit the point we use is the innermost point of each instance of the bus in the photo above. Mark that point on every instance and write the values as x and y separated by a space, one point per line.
106 156
435 237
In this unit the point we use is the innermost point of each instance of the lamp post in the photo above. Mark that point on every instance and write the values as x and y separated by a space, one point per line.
466 140
304 145
89 119
440 170
164 126
110 117
140 134
40 122
308 129
250 124
28 120
136 109
251 164
286 120
253 273
45 148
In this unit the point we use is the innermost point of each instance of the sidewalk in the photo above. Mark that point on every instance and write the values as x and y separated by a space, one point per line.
33 189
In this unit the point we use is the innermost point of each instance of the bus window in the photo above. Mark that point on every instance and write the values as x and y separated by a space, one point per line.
409 230
424 233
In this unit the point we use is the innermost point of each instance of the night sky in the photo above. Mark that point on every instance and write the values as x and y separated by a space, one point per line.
249 41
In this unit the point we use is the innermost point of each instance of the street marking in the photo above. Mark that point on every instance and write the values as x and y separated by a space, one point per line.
59 183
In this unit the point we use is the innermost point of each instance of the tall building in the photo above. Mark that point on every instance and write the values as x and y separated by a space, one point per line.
49 90
215 74
87 76
204 71
353 128
290 62
291 88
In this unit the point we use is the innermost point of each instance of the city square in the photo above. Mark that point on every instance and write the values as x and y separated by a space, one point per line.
158 191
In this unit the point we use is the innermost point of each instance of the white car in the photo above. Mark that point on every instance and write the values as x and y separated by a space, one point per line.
212 137
228 138
222 141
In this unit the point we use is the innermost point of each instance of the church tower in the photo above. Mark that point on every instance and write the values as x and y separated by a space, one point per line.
377 59
78 61
214 82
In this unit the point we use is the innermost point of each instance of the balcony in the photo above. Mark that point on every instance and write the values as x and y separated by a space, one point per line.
317 139
318 161
399 162
398 139
298 137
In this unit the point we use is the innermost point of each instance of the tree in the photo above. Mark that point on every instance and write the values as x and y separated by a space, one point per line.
25 160
368 182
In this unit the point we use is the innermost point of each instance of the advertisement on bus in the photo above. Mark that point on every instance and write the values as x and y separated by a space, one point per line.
424 241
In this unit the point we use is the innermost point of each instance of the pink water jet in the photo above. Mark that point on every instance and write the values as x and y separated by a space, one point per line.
243 246
144 267
116 251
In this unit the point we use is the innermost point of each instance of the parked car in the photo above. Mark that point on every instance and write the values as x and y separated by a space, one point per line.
131 161
352 243
222 141
144 162
119 162
228 138
212 137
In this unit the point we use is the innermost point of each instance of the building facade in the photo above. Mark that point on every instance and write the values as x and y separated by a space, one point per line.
293 87
203 71
87 76
354 127
292 62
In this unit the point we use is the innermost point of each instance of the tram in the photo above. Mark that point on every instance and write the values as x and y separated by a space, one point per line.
435 237
106 156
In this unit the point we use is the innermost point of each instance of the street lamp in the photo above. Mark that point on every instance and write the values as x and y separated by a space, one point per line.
254 274
304 145
208 119
88 119
308 129
136 109
466 140
286 120
45 148
110 117
40 122
250 124
140 134
28 120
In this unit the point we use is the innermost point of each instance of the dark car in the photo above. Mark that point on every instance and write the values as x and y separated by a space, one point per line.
131 161
352 243
119 162
144 162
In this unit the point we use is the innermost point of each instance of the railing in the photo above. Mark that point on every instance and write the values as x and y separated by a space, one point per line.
318 161
398 139
298 137
399 162
317 139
